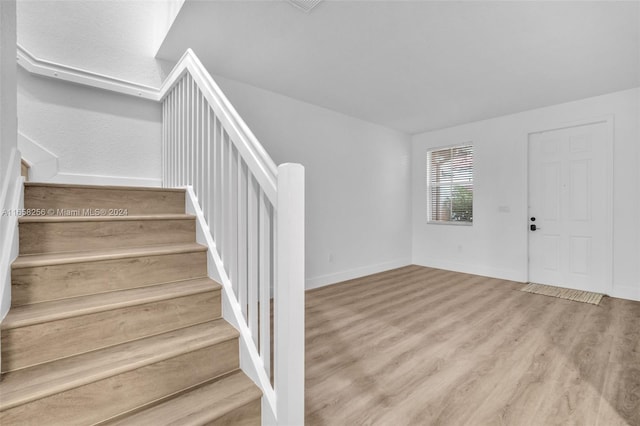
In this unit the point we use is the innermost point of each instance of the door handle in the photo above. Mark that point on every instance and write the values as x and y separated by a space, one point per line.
533 227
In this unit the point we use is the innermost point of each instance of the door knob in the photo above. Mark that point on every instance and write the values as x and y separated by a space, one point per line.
534 227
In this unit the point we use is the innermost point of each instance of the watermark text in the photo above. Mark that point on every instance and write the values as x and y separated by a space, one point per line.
66 212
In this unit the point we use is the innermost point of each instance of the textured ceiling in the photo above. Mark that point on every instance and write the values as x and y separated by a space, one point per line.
417 66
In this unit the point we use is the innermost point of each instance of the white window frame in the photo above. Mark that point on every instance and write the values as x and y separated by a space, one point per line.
429 184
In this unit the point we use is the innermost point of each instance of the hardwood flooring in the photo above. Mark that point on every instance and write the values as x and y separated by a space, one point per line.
422 346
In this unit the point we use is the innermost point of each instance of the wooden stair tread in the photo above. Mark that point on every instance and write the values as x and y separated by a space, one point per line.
71 234
199 406
46 259
55 219
108 187
37 313
29 384
116 320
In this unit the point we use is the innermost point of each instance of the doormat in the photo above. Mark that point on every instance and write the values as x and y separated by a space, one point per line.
564 293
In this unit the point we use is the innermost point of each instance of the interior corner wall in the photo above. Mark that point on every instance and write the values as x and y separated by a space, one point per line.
99 137
496 245
10 179
167 12
358 215
8 135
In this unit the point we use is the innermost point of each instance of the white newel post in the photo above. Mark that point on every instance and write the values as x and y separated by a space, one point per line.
289 296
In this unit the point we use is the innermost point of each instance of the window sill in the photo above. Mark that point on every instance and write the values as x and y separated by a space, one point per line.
454 223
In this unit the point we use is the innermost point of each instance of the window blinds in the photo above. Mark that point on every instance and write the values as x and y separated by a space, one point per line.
450 184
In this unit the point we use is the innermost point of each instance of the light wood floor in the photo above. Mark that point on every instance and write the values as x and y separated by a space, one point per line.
421 346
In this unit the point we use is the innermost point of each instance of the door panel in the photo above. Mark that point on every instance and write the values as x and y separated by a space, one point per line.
580 255
568 197
579 190
551 196
551 251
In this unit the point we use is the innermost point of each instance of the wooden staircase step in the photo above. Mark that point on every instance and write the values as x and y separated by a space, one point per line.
114 319
38 313
66 219
24 169
137 200
98 385
232 400
48 259
49 234
41 332
51 276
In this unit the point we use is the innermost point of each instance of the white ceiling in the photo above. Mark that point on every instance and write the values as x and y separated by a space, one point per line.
417 65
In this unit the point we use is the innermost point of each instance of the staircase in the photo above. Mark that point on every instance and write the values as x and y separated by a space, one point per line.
114 319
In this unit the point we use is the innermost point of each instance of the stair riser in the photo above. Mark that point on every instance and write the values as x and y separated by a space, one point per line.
109 397
48 237
42 283
248 415
135 201
35 344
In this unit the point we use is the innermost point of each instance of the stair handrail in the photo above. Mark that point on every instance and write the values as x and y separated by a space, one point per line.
282 205
267 218
261 163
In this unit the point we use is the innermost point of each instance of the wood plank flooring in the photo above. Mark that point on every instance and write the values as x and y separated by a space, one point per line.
422 346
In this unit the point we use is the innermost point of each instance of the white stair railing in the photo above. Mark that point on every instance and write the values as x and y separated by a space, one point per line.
255 214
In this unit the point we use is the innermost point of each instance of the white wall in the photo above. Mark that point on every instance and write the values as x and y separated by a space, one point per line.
496 244
10 180
357 181
7 82
167 12
98 136
116 38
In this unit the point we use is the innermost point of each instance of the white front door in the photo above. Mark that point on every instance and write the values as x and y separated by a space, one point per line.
569 204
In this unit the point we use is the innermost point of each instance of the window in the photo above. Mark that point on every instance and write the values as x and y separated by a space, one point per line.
450 185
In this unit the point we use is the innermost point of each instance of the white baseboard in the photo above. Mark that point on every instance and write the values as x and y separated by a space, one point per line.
629 293
10 199
7 179
44 167
621 292
81 179
502 274
43 164
323 280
